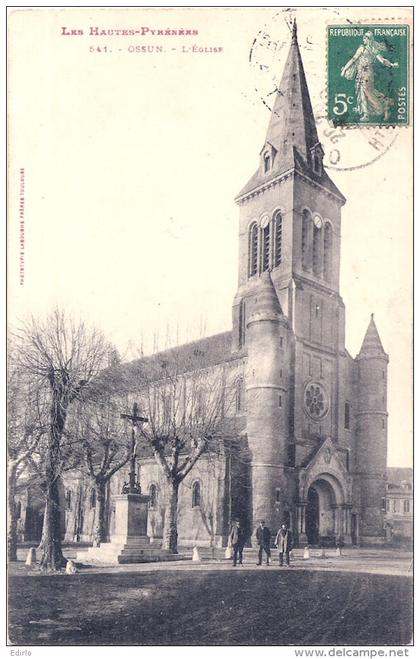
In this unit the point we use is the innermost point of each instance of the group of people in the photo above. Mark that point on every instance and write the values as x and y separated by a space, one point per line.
283 542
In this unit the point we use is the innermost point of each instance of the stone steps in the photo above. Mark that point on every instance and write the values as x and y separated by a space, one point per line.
142 552
112 553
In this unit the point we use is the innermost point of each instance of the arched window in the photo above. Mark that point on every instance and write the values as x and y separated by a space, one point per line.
240 395
196 494
153 493
317 251
253 249
306 239
347 416
266 162
265 240
327 251
93 498
278 230
18 509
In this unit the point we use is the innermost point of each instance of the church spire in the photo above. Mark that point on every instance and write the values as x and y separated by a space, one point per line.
292 124
294 31
372 344
292 139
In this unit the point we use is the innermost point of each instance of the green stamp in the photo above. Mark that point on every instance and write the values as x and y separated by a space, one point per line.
368 75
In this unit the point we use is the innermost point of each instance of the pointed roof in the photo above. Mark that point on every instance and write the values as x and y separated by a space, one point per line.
292 122
372 344
292 132
266 302
325 455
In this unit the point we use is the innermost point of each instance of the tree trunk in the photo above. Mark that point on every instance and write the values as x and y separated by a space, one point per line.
11 515
100 532
52 556
170 529
78 515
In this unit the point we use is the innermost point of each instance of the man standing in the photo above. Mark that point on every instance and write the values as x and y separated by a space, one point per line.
263 538
284 542
237 539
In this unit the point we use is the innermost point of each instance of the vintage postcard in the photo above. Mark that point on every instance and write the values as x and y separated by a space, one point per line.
210 327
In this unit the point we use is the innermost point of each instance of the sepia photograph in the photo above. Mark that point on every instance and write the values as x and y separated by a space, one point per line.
210 327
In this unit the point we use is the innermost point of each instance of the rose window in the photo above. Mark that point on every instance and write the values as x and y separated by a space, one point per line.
316 401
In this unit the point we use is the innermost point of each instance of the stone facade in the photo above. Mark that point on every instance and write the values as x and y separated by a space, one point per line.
307 434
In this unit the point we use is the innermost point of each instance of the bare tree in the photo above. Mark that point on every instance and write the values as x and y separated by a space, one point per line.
26 427
64 355
104 446
184 406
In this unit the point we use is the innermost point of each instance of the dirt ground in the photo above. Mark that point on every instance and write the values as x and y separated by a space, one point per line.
210 605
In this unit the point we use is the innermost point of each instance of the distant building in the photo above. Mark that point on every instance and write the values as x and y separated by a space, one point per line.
399 504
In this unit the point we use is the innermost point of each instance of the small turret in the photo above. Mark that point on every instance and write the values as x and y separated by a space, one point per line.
266 335
266 304
267 405
371 438
372 345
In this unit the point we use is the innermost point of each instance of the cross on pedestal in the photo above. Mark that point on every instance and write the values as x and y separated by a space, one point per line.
133 487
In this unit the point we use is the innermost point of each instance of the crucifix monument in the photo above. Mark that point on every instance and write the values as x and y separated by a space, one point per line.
133 487
129 542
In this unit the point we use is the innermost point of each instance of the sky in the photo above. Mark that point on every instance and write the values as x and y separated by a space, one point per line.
131 161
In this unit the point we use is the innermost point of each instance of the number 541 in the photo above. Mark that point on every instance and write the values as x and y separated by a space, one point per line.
342 102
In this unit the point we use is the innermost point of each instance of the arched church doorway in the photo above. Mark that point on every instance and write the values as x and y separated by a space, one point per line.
320 512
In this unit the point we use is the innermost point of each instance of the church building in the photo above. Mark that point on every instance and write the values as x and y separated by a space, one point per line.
306 442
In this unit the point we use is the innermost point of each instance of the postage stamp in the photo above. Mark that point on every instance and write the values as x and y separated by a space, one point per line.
368 74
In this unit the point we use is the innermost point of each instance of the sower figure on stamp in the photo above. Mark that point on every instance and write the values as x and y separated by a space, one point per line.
284 542
263 538
370 101
237 539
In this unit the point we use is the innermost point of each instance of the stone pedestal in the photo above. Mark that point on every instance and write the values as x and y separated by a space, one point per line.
131 512
129 542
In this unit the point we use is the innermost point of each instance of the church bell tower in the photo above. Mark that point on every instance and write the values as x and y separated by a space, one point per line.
288 316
